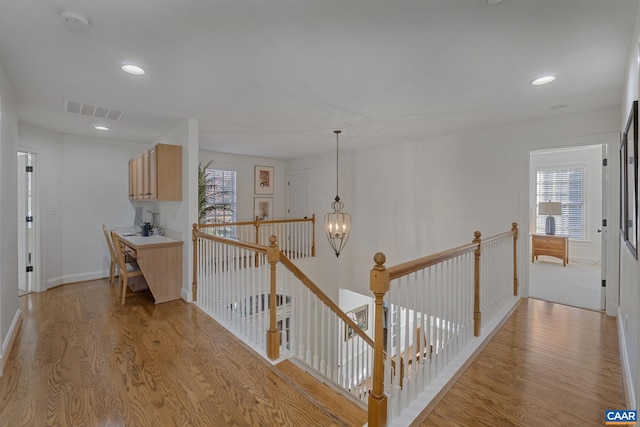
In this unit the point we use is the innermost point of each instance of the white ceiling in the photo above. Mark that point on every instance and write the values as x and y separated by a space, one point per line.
275 78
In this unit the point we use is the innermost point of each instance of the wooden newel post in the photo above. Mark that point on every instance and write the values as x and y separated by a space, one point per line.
379 285
514 230
273 335
194 284
476 285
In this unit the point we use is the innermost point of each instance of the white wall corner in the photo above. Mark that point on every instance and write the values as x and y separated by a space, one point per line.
9 340
629 393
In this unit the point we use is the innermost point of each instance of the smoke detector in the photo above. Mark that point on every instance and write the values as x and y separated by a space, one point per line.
74 20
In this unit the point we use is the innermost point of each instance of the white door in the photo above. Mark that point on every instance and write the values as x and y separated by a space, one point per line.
603 229
298 194
26 234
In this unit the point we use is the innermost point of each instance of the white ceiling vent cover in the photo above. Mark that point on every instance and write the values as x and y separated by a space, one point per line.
92 110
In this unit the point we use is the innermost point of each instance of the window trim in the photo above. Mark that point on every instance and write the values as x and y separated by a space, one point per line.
585 202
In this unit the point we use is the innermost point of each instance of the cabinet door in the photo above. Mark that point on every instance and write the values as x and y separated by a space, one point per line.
146 186
153 174
132 179
139 168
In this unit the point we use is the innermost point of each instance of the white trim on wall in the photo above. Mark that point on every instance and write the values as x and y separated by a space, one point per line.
7 344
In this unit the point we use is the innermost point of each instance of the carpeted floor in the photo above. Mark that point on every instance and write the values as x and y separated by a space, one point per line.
578 285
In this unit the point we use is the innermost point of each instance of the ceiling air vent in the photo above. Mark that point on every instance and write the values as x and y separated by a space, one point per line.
92 110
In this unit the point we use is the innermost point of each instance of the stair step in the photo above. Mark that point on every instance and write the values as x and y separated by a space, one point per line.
342 407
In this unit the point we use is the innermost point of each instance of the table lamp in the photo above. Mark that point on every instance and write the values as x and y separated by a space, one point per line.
550 208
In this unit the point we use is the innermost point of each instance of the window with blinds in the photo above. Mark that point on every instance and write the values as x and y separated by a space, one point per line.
221 197
564 185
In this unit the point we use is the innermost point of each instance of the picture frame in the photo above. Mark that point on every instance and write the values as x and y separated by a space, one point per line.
623 189
263 208
360 316
263 180
630 142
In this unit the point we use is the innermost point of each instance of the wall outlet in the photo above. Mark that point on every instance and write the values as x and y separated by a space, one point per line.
53 210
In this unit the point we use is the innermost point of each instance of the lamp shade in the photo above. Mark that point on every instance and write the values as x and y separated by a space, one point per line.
549 208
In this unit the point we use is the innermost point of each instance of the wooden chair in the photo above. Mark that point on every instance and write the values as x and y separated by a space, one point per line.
125 273
421 353
114 259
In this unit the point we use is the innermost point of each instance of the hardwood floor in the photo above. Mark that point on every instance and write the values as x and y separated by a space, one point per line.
82 359
550 365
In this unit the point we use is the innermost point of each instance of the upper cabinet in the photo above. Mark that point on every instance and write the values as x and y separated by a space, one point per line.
156 174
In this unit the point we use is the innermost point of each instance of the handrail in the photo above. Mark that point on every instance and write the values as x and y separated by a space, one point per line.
225 224
497 237
380 278
323 297
286 262
229 241
296 237
418 264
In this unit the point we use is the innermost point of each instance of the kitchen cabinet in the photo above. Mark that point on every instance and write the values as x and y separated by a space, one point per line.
156 174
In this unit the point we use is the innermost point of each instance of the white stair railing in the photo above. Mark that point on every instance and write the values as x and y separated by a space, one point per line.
433 308
233 283
296 236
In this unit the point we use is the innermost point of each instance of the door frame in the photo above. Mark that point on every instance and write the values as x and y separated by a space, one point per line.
37 257
613 238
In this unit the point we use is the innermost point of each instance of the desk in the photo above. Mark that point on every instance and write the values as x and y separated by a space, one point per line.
160 259
556 246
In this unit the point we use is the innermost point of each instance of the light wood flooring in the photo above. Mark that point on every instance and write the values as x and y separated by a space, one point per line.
549 365
82 359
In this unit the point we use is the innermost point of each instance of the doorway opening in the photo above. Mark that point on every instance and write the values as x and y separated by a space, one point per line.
26 223
572 179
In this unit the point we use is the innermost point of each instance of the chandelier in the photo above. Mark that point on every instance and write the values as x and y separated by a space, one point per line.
337 224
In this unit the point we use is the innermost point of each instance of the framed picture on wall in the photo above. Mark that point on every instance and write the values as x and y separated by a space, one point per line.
263 180
360 316
630 141
623 188
263 207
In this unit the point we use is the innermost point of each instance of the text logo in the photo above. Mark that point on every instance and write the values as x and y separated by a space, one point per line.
620 417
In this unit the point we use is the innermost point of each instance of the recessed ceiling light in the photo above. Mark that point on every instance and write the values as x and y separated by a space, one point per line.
98 127
493 1
133 69
543 80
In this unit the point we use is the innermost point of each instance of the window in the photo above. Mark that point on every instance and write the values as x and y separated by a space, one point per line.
221 197
565 185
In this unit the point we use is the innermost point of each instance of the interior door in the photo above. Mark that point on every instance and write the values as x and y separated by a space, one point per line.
604 228
26 235
298 194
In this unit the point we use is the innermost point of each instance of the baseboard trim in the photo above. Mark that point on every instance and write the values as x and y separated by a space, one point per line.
629 393
9 340
417 413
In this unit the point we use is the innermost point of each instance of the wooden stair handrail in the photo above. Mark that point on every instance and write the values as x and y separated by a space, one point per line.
418 264
284 260
497 237
289 265
229 241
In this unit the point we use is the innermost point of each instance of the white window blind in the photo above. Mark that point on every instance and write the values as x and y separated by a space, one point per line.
564 185
221 196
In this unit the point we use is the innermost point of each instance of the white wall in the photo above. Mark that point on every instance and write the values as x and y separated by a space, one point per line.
83 183
628 318
590 158
180 215
244 166
413 199
9 310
